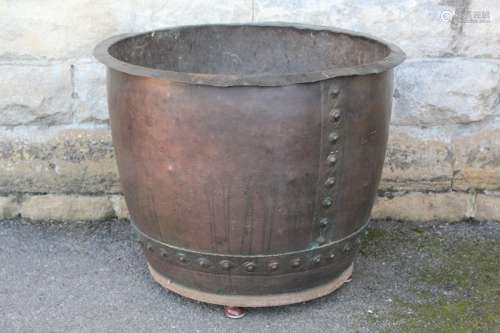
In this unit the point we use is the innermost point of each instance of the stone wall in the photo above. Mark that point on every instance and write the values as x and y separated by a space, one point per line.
443 160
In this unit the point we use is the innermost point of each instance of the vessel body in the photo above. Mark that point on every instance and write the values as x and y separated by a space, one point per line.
247 190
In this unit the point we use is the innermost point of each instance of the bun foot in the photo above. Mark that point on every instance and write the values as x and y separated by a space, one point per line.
234 312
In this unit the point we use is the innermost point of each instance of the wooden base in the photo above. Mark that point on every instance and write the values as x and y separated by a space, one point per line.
252 300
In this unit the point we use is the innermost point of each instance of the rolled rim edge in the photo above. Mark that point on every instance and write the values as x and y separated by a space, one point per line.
394 58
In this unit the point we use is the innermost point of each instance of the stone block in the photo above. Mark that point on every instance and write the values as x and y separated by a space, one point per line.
35 94
155 14
9 207
477 157
440 92
416 26
57 160
488 207
89 79
451 206
480 35
52 207
120 206
417 160
52 29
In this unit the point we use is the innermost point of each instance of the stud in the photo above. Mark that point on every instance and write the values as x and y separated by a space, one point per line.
250 266
296 262
333 137
334 91
334 115
347 248
226 264
329 182
182 258
273 265
204 263
331 159
327 202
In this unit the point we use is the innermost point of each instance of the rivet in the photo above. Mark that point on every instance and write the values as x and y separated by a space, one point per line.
331 159
273 265
249 266
347 248
226 264
330 181
296 262
334 91
334 115
327 202
321 240
204 263
324 222
182 258
316 259
150 247
333 137
164 253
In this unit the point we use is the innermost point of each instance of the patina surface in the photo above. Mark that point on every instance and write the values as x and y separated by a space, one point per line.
254 174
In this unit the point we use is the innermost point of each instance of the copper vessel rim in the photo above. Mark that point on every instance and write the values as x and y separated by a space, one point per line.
395 57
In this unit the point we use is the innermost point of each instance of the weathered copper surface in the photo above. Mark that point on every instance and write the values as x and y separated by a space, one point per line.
249 155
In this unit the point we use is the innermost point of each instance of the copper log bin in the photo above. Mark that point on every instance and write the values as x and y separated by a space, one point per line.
249 155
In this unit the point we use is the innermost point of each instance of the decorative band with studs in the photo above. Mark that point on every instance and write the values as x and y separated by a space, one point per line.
320 255
333 129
